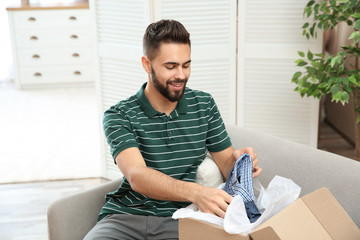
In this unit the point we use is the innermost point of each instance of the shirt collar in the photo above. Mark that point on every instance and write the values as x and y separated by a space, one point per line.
181 107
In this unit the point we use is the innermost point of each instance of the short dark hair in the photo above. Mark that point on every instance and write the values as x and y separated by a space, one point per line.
167 31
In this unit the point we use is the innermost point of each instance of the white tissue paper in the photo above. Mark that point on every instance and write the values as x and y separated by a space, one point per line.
280 193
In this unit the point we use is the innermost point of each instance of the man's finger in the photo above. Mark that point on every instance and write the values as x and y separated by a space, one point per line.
254 163
256 171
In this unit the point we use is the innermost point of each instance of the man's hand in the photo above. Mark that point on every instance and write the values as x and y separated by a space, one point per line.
212 200
249 150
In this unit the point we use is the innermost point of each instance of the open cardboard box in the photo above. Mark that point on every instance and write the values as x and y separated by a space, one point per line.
317 215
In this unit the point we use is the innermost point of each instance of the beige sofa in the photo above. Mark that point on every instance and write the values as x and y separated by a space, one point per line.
72 217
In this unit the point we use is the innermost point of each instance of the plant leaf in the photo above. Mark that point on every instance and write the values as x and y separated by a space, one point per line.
315 64
357 24
338 59
333 61
335 89
310 55
352 79
356 15
345 98
354 34
306 25
301 64
345 81
310 3
341 68
323 85
312 30
337 96
296 76
343 54
357 38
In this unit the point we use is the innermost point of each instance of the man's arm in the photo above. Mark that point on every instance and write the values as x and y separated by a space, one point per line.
226 159
157 185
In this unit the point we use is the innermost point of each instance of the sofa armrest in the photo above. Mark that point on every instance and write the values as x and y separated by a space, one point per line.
72 217
308 167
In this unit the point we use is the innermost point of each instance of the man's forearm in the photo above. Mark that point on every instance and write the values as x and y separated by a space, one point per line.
157 185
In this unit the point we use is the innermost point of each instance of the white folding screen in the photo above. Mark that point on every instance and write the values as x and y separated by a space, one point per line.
120 26
212 28
270 35
242 53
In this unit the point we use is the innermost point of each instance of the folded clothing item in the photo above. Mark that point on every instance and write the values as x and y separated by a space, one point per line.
252 211
240 182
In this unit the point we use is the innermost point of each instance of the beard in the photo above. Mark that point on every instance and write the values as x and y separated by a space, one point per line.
172 96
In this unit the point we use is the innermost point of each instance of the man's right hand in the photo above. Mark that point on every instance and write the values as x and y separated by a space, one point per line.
212 200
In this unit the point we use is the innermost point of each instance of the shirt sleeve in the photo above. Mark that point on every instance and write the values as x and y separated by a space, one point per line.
217 136
118 132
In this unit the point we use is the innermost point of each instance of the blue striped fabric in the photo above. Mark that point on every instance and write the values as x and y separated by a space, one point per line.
239 181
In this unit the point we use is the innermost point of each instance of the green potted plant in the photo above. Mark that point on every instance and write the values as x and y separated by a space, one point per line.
332 74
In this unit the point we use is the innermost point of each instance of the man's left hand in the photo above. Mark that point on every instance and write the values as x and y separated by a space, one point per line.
256 170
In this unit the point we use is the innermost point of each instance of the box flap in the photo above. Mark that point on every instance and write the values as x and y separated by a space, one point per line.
296 222
191 229
331 215
264 234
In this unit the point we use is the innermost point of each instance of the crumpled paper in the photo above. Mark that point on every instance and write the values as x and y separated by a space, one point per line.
280 193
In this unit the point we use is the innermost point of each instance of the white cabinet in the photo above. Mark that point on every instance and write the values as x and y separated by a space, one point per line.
52 46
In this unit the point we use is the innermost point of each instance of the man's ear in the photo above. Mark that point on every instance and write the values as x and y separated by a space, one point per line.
146 63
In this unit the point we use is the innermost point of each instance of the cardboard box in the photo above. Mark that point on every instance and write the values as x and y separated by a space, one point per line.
317 215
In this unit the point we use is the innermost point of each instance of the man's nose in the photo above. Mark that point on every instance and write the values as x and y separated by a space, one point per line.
180 73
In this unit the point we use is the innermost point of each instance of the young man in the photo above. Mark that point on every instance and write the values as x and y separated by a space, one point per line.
158 138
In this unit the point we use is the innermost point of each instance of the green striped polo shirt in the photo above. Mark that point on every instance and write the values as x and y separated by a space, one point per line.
174 144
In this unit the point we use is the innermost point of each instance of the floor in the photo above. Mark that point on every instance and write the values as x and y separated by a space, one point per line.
23 206
52 131
45 134
331 141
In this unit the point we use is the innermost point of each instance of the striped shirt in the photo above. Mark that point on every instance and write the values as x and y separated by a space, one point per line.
174 145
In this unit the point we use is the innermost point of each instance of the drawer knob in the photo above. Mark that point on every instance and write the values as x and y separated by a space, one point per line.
34 38
37 74
72 18
76 55
77 73
36 56
31 19
74 36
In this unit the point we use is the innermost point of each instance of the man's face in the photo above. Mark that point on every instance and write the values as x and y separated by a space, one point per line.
170 70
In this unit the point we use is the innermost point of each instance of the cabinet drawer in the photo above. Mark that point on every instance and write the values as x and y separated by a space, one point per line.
56 74
37 19
50 38
55 56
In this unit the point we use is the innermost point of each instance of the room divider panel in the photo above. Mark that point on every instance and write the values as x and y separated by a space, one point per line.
242 53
